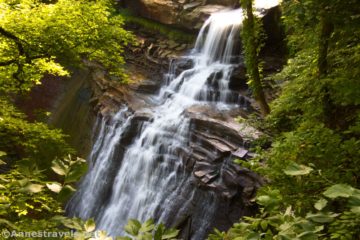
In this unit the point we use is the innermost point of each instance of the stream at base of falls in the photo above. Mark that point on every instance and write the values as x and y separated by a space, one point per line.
146 178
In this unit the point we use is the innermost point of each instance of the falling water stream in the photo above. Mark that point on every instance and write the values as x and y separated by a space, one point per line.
147 179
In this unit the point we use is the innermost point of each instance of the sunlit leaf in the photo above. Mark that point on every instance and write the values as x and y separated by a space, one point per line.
132 227
66 192
170 233
90 225
321 217
339 190
294 169
33 188
319 205
147 226
55 187
75 173
59 167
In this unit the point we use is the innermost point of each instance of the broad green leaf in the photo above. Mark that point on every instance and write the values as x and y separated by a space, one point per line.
76 172
339 190
66 192
284 236
264 225
73 223
159 232
123 238
22 182
170 234
319 205
33 188
102 235
294 169
321 217
319 228
55 187
307 236
253 236
8 223
59 167
90 225
133 227
147 226
271 200
354 201
355 210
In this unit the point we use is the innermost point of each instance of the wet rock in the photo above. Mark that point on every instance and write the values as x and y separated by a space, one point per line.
147 86
238 79
240 153
191 5
214 144
194 19
202 166
163 11
172 45
230 178
213 80
130 133
182 47
183 64
142 116
189 163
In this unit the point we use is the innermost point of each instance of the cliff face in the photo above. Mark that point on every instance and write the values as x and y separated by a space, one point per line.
188 15
185 14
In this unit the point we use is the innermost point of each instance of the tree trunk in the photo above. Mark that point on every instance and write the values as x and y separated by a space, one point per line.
326 28
251 57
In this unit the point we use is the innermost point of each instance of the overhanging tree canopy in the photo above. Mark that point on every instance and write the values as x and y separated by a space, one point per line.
38 38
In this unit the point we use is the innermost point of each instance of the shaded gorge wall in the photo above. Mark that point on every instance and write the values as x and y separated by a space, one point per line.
73 113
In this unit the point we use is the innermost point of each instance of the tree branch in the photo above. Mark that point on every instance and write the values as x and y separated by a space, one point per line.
17 41
7 63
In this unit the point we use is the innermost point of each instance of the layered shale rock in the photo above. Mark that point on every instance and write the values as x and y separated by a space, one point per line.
184 14
191 14
215 143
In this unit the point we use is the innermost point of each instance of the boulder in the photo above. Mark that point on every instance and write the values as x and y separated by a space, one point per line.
194 19
163 11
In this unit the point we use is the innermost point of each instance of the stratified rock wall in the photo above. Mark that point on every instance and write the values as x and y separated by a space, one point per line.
185 14
190 15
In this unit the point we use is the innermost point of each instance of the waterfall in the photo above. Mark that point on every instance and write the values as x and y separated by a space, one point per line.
146 178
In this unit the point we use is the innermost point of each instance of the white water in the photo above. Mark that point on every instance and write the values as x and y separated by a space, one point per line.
147 179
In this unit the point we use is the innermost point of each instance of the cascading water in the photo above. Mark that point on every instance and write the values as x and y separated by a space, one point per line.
147 179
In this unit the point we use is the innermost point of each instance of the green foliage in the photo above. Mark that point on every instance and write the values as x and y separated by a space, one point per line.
31 195
313 163
148 231
70 171
315 117
38 38
294 169
135 230
253 40
321 224
29 201
33 143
